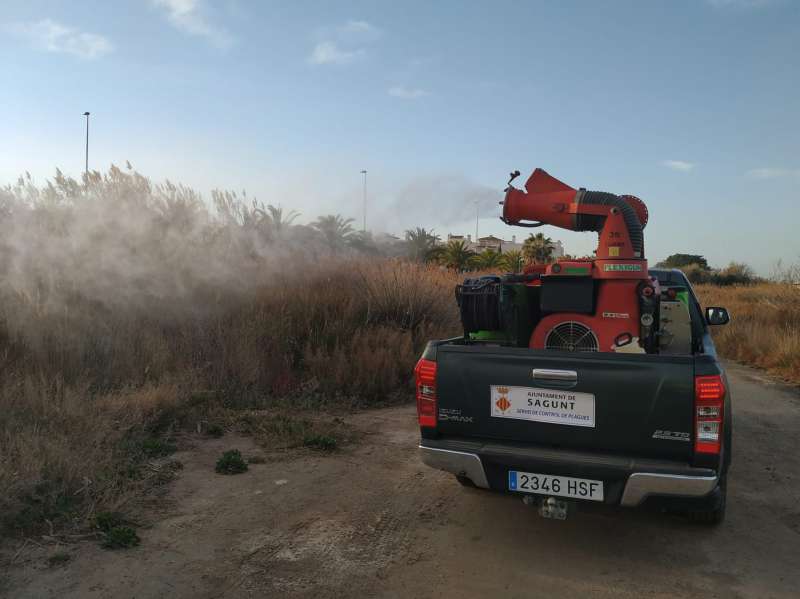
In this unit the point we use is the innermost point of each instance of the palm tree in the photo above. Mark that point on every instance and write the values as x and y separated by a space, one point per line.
489 259
278 220
335 230
456 254
538 248
363 242
435 254
421 244
513 261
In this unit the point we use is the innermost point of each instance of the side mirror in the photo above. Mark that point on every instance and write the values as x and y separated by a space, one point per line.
716 315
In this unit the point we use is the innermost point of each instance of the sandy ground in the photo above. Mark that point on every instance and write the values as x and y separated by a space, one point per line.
372 521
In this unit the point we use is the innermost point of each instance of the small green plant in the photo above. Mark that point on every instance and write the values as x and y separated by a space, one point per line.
320 442
231 462
121 537
59 558
215 430
105 521
44 502
158 448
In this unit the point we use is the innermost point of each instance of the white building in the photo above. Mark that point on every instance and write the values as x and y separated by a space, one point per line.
500 245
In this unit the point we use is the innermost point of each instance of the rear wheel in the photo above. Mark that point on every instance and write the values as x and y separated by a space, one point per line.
713 515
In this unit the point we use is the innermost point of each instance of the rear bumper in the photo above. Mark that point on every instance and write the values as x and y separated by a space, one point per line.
628 482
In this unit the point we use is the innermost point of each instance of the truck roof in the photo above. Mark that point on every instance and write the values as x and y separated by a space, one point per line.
669 276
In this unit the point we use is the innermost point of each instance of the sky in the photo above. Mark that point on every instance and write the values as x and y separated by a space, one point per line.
691 105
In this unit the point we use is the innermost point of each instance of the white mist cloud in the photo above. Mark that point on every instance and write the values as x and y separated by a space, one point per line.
439 200
767 172
407 93
331 53
344 43
678 165
739 3
358 31
191 17
53 36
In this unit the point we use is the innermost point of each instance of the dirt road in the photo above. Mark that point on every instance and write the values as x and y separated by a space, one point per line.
371 521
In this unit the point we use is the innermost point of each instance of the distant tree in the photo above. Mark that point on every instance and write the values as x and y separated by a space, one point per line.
681 260
696 273
436 253
335 230
513 261
488 259
278 220
736 273
538 248
456 254
363 242
421 244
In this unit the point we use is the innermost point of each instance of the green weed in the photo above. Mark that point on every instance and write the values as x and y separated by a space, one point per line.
121 537
231 462
320 442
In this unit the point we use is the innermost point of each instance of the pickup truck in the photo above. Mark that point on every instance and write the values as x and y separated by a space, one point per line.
643 429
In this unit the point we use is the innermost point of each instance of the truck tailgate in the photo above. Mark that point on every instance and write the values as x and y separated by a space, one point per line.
636 405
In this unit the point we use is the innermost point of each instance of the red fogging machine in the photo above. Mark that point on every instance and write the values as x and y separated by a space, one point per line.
605 303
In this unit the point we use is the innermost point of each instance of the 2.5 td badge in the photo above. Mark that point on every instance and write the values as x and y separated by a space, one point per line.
671 435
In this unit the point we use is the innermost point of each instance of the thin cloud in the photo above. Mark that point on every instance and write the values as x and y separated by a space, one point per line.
678 165
767 172
344 43
53 36
191 17
358 31
407 93
331 53
740 3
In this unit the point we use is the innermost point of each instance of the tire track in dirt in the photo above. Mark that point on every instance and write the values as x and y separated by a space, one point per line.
372 521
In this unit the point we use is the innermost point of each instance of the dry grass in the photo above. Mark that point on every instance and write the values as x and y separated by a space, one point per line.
82 388
765 325
129 309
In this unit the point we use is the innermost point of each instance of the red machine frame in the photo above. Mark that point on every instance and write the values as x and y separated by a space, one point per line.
625 294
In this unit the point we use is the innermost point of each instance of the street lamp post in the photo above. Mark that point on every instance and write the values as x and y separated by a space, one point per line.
364 228
477 215
86 168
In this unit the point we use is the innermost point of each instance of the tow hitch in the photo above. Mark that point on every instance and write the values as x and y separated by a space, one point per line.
549 507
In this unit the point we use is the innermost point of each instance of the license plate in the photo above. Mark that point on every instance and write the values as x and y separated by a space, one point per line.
559 486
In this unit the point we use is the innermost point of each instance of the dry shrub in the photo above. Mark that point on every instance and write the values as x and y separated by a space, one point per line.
62 451
80 387
371 365
127 307
764 328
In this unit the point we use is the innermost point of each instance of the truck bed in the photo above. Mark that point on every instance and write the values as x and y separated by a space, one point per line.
630 404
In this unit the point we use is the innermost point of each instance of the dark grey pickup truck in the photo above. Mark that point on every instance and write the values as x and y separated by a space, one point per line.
611 428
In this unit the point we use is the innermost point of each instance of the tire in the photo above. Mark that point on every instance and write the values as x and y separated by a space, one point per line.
464 481
715 515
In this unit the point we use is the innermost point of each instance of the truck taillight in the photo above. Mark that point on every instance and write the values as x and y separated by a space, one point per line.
425 383
709 393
